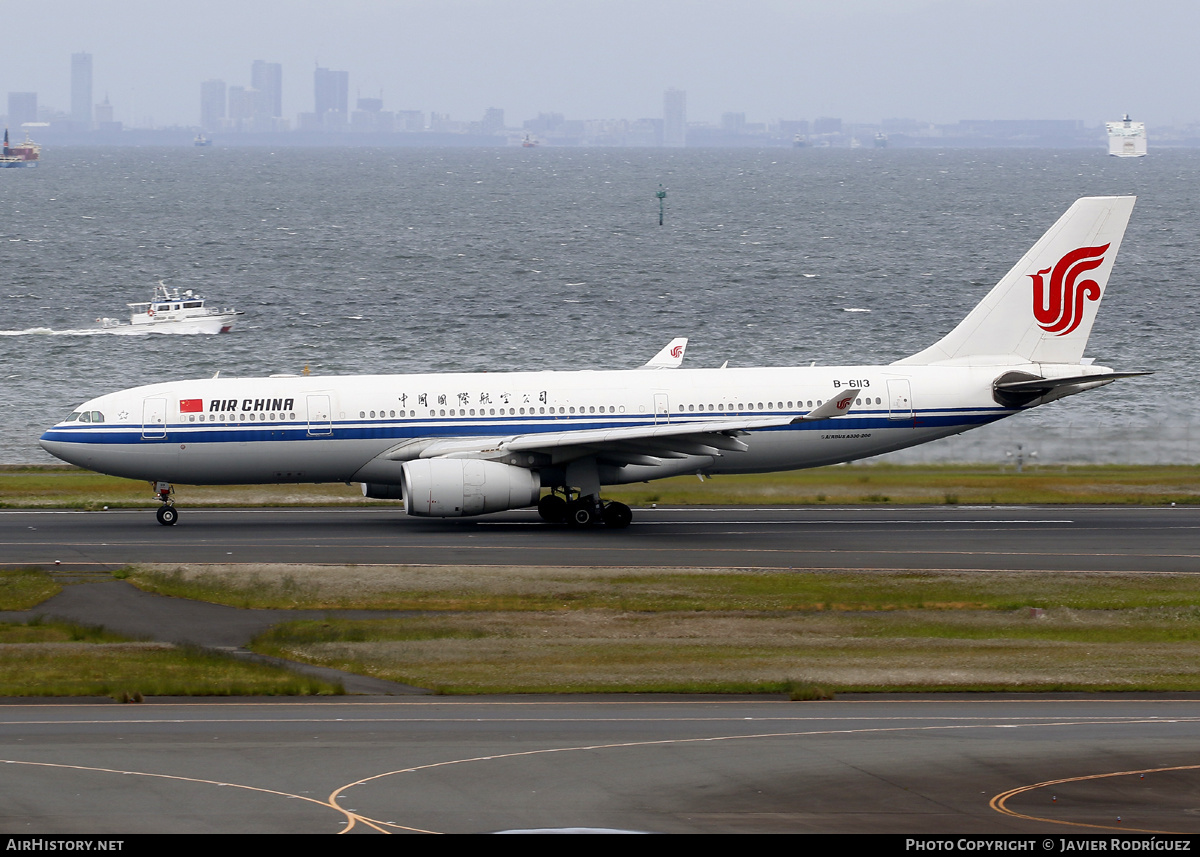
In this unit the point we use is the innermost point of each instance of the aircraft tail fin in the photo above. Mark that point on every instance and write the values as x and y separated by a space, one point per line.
670 357
1042 310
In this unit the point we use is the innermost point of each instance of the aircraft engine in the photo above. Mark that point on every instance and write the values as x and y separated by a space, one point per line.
458 487
382 491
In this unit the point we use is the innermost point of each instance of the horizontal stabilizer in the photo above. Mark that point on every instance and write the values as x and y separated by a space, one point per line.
1043 385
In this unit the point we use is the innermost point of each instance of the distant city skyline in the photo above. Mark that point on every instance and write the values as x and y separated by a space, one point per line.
863 60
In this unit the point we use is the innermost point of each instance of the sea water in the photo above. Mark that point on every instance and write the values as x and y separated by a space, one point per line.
414 260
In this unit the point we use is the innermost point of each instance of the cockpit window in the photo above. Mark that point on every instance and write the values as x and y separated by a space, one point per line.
85 417
97 417
74 415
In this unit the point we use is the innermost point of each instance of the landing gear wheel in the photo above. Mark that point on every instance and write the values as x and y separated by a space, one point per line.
580 514
617 516
167 515
553 509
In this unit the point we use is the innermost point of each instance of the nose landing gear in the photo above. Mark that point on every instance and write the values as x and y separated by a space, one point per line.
167 514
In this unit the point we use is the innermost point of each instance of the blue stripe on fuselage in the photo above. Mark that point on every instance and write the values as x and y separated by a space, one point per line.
489 427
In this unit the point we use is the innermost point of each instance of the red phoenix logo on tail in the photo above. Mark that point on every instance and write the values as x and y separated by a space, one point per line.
1058 307
677 350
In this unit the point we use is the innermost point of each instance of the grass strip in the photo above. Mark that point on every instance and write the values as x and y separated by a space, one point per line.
605 651
487 588
23 588
864 483
42 658
38 630
575 630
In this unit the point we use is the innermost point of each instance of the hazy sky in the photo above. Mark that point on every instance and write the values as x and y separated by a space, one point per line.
861 60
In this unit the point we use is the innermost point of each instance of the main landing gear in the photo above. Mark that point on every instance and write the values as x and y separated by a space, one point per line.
167 514
578 511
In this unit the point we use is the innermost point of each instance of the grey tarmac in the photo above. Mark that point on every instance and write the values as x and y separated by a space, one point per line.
1036 765
932 765
1107 539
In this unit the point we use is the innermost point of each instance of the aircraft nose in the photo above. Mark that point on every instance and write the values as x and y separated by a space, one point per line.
56 445
51 446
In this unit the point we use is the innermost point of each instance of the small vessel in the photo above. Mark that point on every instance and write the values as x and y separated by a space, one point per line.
529 143
202 140
22 155
173 311
1126 139
799 142
881 140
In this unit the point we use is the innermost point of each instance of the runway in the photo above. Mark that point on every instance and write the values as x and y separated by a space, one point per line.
1108 539
981 764
671 765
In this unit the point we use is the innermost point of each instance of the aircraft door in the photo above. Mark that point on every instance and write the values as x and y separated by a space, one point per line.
154 419
899 399
662 409
320 421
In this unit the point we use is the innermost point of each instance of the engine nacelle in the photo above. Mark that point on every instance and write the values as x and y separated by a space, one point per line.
458 487
377 491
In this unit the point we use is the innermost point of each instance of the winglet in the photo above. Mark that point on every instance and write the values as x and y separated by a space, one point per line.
670 357
835 407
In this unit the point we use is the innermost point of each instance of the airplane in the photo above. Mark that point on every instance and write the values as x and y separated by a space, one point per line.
455 445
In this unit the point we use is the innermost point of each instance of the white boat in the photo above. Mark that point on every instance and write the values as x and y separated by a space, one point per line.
173 311
1126 139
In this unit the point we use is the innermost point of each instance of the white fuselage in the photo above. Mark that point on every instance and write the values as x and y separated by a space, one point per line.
362 428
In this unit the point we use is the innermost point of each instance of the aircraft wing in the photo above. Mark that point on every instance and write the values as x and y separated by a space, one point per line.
643 444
